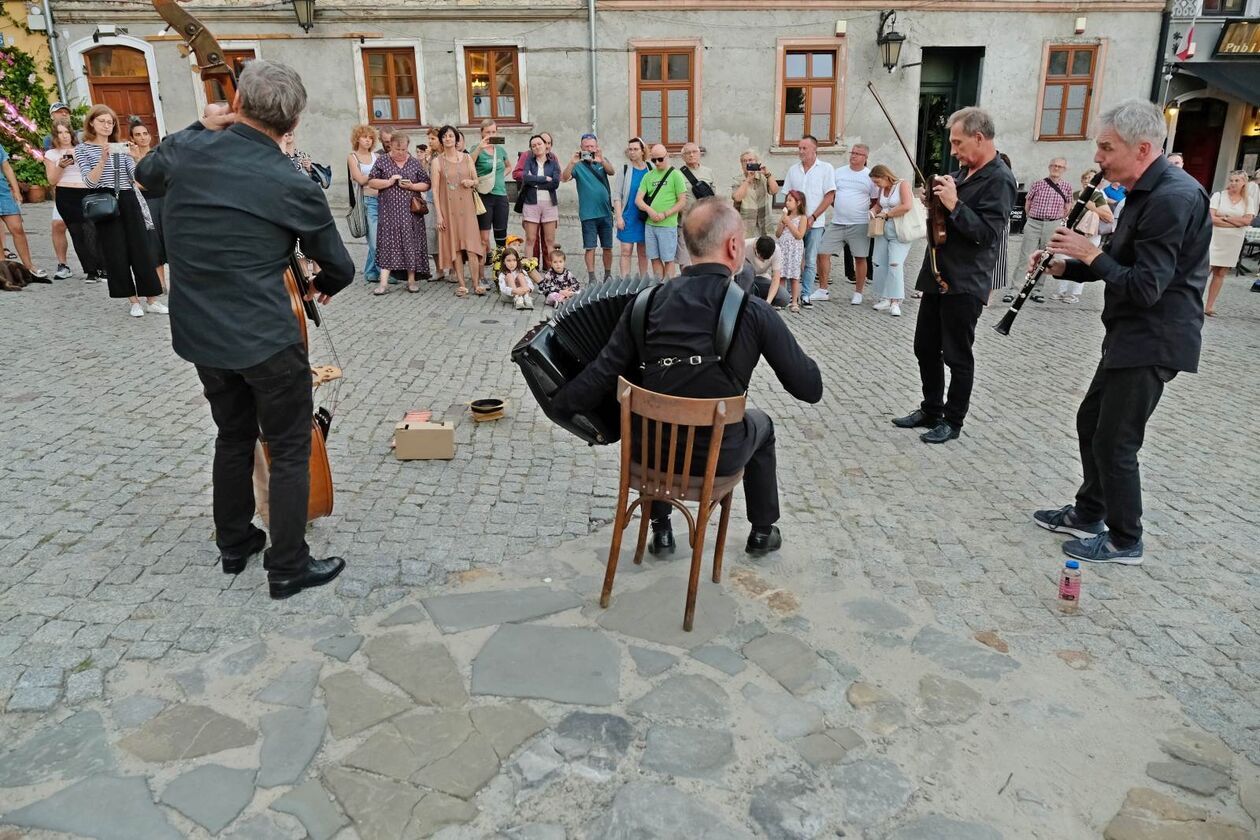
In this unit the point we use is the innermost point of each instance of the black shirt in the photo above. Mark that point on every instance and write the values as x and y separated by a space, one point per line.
1155 268
681 323
973 232
233 212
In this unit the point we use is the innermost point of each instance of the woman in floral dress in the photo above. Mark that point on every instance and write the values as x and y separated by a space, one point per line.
400 235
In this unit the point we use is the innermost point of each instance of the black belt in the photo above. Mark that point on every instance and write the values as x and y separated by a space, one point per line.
1035 219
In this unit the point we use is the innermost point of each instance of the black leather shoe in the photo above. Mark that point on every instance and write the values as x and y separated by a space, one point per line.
662 541
317 573
235 564
764 543
916 419
941 432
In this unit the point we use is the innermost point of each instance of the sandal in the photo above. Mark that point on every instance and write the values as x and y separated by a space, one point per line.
9 255
461 292
378 292
412 289
794 308
480 291
917 294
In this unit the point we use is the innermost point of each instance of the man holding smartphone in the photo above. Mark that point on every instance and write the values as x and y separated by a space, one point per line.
589 169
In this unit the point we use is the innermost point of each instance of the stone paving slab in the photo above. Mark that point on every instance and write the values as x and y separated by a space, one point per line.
551 663
467 611
107 807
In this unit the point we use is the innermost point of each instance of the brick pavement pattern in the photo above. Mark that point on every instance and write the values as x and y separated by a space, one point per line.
106 534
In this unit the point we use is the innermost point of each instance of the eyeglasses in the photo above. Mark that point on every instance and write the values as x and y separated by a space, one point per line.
659 160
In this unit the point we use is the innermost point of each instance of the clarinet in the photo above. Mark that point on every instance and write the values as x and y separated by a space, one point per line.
1079 209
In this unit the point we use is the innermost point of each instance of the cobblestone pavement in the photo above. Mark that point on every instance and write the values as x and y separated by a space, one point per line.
107 539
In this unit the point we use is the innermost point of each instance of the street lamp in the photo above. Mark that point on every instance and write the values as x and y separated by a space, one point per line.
304 10
889 41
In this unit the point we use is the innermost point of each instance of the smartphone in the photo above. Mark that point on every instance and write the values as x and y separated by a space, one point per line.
498 140
119 149
588 156
753 167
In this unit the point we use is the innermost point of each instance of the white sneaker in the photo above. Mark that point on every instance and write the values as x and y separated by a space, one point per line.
820 294
158 307
529 301
895 310
883 304
518 302
137 311
857 299
63 272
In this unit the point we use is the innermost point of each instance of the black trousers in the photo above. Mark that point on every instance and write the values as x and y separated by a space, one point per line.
127 251
496 217
1111 425
761 288
943 336
69 202
275 396
754 453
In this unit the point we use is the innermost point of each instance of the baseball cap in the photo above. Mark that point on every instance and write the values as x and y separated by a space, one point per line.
58 106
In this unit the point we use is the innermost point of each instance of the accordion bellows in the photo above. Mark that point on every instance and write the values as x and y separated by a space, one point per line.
553 353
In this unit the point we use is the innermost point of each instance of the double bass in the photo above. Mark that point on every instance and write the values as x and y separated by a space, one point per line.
210 63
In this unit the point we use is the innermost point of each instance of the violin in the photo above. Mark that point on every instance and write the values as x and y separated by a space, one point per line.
210 62
937 213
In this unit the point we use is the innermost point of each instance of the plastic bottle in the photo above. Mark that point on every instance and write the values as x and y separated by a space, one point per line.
1070 588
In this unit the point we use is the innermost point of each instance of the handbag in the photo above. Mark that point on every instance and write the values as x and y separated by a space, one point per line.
643 216
101 207
485 183
912 225
700 189
356 219
478 204
875 227
419 206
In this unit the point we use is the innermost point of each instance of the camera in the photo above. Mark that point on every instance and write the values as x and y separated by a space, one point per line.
588 156
119 148
753 167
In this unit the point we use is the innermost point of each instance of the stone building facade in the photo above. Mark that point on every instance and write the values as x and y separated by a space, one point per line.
728 74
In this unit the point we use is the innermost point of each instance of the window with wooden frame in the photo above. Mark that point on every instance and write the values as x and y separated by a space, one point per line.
1068 91
393 96
1223 7
219 86
808 95
494 83
665 87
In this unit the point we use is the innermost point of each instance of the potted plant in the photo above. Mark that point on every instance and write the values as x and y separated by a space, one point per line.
32 179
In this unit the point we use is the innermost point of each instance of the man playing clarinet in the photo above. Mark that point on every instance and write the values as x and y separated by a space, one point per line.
233 210
1155 269
978 199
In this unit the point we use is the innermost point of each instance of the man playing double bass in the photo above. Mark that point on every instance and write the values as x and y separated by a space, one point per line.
234 208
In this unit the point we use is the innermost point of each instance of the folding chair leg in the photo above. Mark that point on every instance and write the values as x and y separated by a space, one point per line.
693 582
721 537
614 552
644 516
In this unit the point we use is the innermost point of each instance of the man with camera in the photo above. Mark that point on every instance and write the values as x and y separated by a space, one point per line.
753 194
588 168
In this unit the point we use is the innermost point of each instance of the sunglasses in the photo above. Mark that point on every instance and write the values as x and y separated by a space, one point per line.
659 160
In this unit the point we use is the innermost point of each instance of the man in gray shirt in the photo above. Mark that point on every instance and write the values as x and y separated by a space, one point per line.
234 210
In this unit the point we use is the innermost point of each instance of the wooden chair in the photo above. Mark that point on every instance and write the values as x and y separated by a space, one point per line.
658 475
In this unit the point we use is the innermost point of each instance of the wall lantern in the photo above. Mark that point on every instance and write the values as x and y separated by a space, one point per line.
889 41
304 10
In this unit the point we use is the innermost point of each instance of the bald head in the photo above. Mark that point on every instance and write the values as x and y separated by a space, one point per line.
714 232
659 155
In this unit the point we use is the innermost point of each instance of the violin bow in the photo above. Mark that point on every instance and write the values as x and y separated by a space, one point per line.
936 271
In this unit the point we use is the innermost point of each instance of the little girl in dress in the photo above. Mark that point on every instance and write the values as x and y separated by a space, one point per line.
793 225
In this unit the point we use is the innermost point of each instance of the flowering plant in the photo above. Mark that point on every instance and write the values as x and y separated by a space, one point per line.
24 118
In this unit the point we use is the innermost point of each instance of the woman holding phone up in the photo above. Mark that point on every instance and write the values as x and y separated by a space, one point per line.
123 240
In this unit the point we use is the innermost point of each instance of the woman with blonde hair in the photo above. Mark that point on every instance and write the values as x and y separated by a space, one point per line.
123 239
890 252
1232 213
359 164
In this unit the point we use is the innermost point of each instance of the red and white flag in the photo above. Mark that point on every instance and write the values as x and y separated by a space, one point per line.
1187 51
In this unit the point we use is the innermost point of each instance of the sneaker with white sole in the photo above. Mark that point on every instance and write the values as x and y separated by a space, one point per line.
883 304
63 272
895 310
40 273
820 294
518 302
137 311
1101 549
857 299
529 301
1065 521
158 307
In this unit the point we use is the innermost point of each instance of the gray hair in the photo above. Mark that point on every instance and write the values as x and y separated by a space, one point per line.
974 121
709 223
861 146
1134 121
272 94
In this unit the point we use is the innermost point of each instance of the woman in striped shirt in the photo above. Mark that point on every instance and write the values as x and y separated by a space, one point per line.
123 241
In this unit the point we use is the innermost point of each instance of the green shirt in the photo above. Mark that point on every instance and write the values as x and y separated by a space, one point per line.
485 163
674 189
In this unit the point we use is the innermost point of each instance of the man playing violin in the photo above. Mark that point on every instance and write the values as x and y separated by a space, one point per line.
234 209
978 199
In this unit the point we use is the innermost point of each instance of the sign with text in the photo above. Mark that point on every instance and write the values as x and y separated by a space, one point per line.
1239 39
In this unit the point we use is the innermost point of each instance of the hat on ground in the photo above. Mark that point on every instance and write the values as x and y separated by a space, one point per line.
58 106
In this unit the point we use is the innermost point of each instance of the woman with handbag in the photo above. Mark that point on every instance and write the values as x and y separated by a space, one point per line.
457 205
490 159
359 165
112 205
400 183
895 201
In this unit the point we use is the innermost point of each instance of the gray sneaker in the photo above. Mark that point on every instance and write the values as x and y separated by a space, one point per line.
63 272
1064 521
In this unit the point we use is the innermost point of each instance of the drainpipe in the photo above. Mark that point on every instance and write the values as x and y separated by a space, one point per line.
1157 82
590 19
56 53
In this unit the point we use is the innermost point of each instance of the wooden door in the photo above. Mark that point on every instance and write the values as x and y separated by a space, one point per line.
119 77
1200 126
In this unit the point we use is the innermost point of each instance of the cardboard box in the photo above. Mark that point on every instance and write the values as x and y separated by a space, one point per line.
424 441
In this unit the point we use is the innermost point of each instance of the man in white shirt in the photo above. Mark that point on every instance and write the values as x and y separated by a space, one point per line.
856 193
762 255
817 180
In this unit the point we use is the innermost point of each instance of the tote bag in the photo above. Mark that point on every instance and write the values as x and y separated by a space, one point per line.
912 226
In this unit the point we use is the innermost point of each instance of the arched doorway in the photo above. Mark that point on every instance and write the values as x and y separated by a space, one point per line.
1200 124
118 76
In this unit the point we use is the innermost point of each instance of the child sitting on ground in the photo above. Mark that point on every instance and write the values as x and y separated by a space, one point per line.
558 283
514 284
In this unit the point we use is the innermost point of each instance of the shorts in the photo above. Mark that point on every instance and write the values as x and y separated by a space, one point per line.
597 230
8 207
540 213
856 237
662 243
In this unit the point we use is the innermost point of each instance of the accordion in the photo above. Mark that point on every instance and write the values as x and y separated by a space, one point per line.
553 353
